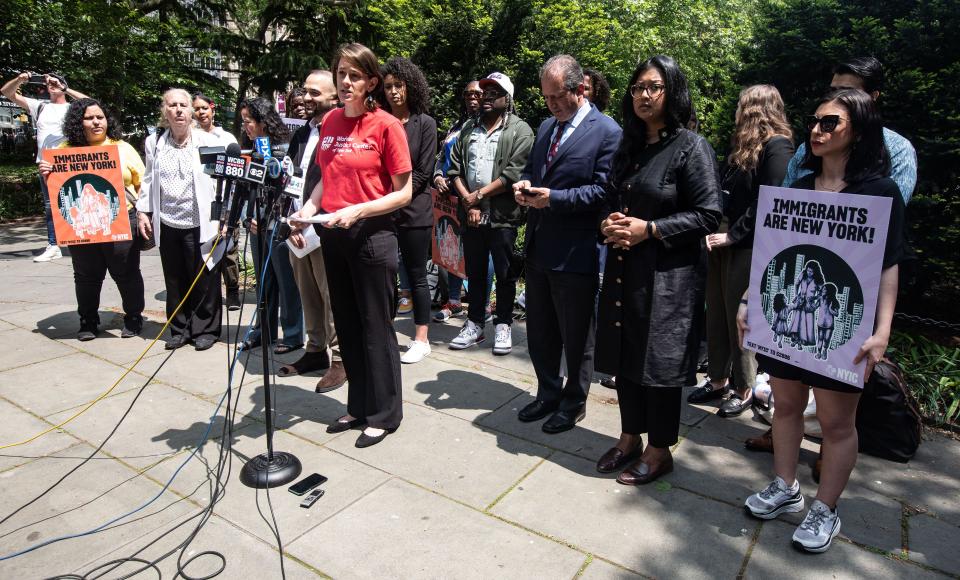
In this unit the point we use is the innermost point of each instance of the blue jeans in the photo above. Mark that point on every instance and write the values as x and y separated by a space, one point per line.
282 294
48 214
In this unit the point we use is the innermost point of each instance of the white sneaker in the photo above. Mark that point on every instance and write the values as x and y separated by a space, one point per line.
470 335
416 351
818 529
503 341
51 253
776 499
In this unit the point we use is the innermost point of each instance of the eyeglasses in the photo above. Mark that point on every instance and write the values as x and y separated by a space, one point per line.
472 94
653 91
493 94
828 123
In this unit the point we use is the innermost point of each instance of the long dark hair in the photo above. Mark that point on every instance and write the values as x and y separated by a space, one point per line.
261 110
73 122
677 109
868 154
600 88
817 273
418 92
830 295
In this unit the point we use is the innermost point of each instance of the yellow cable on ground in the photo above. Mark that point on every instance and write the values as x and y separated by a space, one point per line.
135 363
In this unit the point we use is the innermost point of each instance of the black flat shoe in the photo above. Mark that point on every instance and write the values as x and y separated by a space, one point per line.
341 426
564 420
705 393
204 342
85 335
176 342
609 382
535 411
615 459
733 406
365 440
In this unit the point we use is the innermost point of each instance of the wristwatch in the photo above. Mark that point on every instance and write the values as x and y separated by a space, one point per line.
649 229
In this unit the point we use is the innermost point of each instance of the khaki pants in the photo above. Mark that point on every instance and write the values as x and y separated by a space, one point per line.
311 277
728 276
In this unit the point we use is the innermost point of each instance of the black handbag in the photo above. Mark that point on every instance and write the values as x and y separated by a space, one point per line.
889 424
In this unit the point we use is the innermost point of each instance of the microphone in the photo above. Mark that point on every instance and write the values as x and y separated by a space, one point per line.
222 164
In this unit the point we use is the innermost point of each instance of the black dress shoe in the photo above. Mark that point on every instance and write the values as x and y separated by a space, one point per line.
365 440
535 411
705 393
609 382
641 473
733 406
564 420
204 342
84 335
615 459
233 301
340 426
176 342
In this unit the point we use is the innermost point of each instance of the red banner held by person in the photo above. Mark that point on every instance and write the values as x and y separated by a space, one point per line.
87 198
447 243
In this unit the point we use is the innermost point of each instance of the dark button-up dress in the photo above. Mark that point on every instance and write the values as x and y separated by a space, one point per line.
652 301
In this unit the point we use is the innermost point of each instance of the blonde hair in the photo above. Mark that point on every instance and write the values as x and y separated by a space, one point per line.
760 116
364 59
163 101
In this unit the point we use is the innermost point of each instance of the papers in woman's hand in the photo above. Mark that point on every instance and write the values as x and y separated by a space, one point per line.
320 218
311 242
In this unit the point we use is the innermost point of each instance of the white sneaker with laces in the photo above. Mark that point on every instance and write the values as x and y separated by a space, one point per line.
416 352
470 335
503 341
818 529
776 499
51 253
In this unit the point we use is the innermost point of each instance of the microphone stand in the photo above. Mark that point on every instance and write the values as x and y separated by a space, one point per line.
273 468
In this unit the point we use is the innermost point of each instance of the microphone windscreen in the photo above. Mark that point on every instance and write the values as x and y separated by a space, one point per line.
233 150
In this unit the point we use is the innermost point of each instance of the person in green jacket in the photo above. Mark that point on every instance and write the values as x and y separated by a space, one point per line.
486 161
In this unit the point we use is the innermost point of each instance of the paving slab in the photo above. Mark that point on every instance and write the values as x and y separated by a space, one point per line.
935 543
95 494
246 556
162 421
52 386
600 570
23 347
646 529
449 455
447 540
349 480
590 438
774 557
18 425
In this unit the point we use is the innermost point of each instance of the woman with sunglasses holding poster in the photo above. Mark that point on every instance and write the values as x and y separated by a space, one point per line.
846 153
365 167
664 200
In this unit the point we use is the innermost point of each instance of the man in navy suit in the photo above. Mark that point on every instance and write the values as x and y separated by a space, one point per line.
563 187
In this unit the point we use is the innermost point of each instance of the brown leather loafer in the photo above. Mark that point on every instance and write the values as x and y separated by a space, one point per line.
614 459
762 442
334 379
640 473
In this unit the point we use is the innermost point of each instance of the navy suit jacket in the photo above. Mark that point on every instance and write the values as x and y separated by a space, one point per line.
563 236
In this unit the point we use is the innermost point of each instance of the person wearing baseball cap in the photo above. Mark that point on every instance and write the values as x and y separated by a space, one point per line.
486 161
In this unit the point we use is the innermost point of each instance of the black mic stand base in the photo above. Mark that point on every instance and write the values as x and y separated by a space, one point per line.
262 472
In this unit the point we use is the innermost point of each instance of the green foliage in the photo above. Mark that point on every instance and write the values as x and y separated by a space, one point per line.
933 373
19 190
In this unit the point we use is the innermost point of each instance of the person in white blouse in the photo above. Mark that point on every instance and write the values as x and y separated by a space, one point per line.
174 206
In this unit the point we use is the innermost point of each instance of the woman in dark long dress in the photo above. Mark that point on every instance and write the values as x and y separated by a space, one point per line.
665 199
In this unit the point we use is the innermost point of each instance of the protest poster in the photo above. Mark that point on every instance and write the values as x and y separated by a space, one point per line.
87 198
814 278
447 244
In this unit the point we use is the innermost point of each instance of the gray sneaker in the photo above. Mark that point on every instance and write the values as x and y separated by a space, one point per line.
818 529
776 499
470 335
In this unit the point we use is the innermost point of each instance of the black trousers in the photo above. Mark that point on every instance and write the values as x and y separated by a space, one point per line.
361 265
181 258
652 410
479 245
561 320
91 262
415 247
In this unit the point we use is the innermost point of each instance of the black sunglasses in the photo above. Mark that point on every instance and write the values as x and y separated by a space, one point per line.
828 123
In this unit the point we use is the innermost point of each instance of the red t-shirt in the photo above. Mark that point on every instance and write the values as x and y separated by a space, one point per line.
358 155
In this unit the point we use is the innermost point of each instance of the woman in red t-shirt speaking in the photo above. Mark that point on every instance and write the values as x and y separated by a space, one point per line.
365 176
